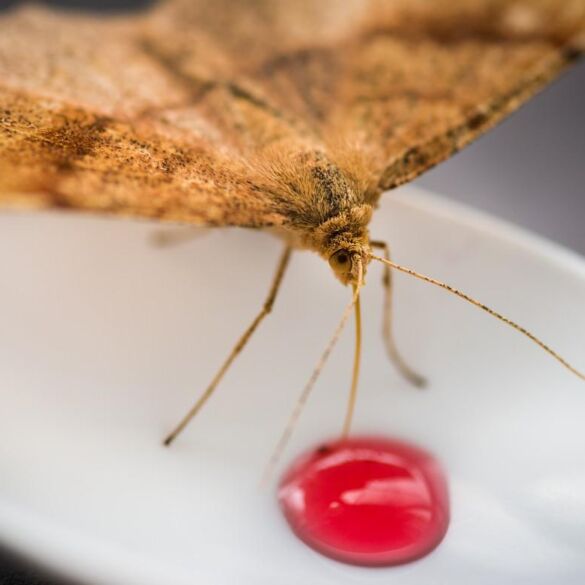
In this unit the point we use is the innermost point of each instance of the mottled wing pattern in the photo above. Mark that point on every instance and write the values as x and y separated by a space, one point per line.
428 78
90 121
404 83
171 114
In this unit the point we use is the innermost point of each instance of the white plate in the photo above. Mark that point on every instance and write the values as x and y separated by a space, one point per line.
105 341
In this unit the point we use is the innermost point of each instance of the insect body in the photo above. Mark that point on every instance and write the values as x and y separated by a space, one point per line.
332 219
288 116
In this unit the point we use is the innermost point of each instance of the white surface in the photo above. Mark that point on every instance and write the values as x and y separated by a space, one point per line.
105 341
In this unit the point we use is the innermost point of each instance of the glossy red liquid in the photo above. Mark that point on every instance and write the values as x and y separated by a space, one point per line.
367 501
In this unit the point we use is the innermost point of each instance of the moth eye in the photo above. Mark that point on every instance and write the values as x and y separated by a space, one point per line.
339 260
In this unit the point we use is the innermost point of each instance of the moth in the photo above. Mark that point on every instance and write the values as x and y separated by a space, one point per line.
291 117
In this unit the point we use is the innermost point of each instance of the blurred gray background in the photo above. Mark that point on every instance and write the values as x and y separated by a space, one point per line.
530 171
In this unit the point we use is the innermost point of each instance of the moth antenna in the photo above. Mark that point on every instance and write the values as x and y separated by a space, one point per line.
305 394
357 355
485 308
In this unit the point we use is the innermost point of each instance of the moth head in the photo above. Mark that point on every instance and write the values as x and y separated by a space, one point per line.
347 263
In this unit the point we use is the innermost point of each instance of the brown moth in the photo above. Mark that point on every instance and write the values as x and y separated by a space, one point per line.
286 116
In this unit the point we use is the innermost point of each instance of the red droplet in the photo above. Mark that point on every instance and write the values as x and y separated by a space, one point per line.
367 501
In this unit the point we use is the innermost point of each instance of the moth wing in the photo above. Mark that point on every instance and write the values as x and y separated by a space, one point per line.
89 120
208 92
423 79
389 87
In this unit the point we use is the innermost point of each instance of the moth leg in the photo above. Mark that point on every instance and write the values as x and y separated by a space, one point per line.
266 308
406 371
163 238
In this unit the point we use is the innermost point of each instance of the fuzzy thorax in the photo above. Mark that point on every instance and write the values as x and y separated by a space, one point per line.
327 208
